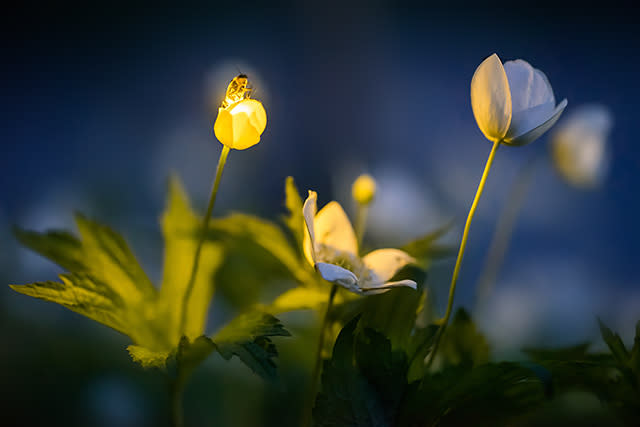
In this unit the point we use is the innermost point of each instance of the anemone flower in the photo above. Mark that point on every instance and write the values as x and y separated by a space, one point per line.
331 247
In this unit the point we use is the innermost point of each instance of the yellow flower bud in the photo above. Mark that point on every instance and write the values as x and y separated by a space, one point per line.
364 189
240 125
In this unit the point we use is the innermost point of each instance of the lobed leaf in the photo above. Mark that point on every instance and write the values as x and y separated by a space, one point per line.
248 337
180 228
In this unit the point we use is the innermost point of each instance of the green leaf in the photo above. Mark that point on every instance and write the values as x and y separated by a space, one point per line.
615 344
363 383
487 395
148 358
109 259
462 344
84 295
180 229
294 220
61 247
426 247
264 234
248 337
301 298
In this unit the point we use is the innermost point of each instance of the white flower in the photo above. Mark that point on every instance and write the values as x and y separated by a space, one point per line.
330 246
513 103
578 145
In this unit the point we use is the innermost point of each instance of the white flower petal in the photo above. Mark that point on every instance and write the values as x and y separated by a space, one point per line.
529 86
386 262
338 275
532 100
535 133
309 212
374 290
491 98
333 229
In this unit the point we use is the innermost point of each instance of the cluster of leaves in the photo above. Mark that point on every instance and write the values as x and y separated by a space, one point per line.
377 376
367 383
105 282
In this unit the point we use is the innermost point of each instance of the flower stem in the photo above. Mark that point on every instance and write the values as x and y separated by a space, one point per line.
504 229
362 212
176 388
205 224
463 245
318 363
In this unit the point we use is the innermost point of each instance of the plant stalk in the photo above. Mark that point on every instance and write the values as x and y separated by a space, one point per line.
308 412
205 225
504 229
463 245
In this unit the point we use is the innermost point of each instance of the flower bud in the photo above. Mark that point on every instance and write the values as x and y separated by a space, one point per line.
364 189
240 125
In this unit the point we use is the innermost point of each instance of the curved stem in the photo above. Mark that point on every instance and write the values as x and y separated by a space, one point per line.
504 229
205 224
308 412
463 245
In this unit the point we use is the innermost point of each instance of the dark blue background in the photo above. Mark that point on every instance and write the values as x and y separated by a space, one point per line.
99 104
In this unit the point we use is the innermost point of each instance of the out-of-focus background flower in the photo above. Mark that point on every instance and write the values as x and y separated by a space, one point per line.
101 103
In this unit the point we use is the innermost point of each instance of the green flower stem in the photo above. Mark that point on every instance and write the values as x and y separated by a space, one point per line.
205 225
463 245
176 388
504 229
361 222
308 412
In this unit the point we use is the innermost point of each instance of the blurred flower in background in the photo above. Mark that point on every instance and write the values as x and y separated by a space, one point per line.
579 145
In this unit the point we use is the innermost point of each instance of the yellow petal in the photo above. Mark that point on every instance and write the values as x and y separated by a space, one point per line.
333 229
386 262
491 98
223 127
240 126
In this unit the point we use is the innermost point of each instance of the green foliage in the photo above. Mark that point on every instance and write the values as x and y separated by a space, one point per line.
294 219
487 395
612 377
365 384
248 338
462 344
427 248
106 283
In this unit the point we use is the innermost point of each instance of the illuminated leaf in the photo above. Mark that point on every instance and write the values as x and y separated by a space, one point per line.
180 228
148 358
615 344
264 234
61 247
248 337
84 295
294 220
109 259
301 298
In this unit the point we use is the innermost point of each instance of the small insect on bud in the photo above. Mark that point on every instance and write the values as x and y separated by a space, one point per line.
364 189
241 120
